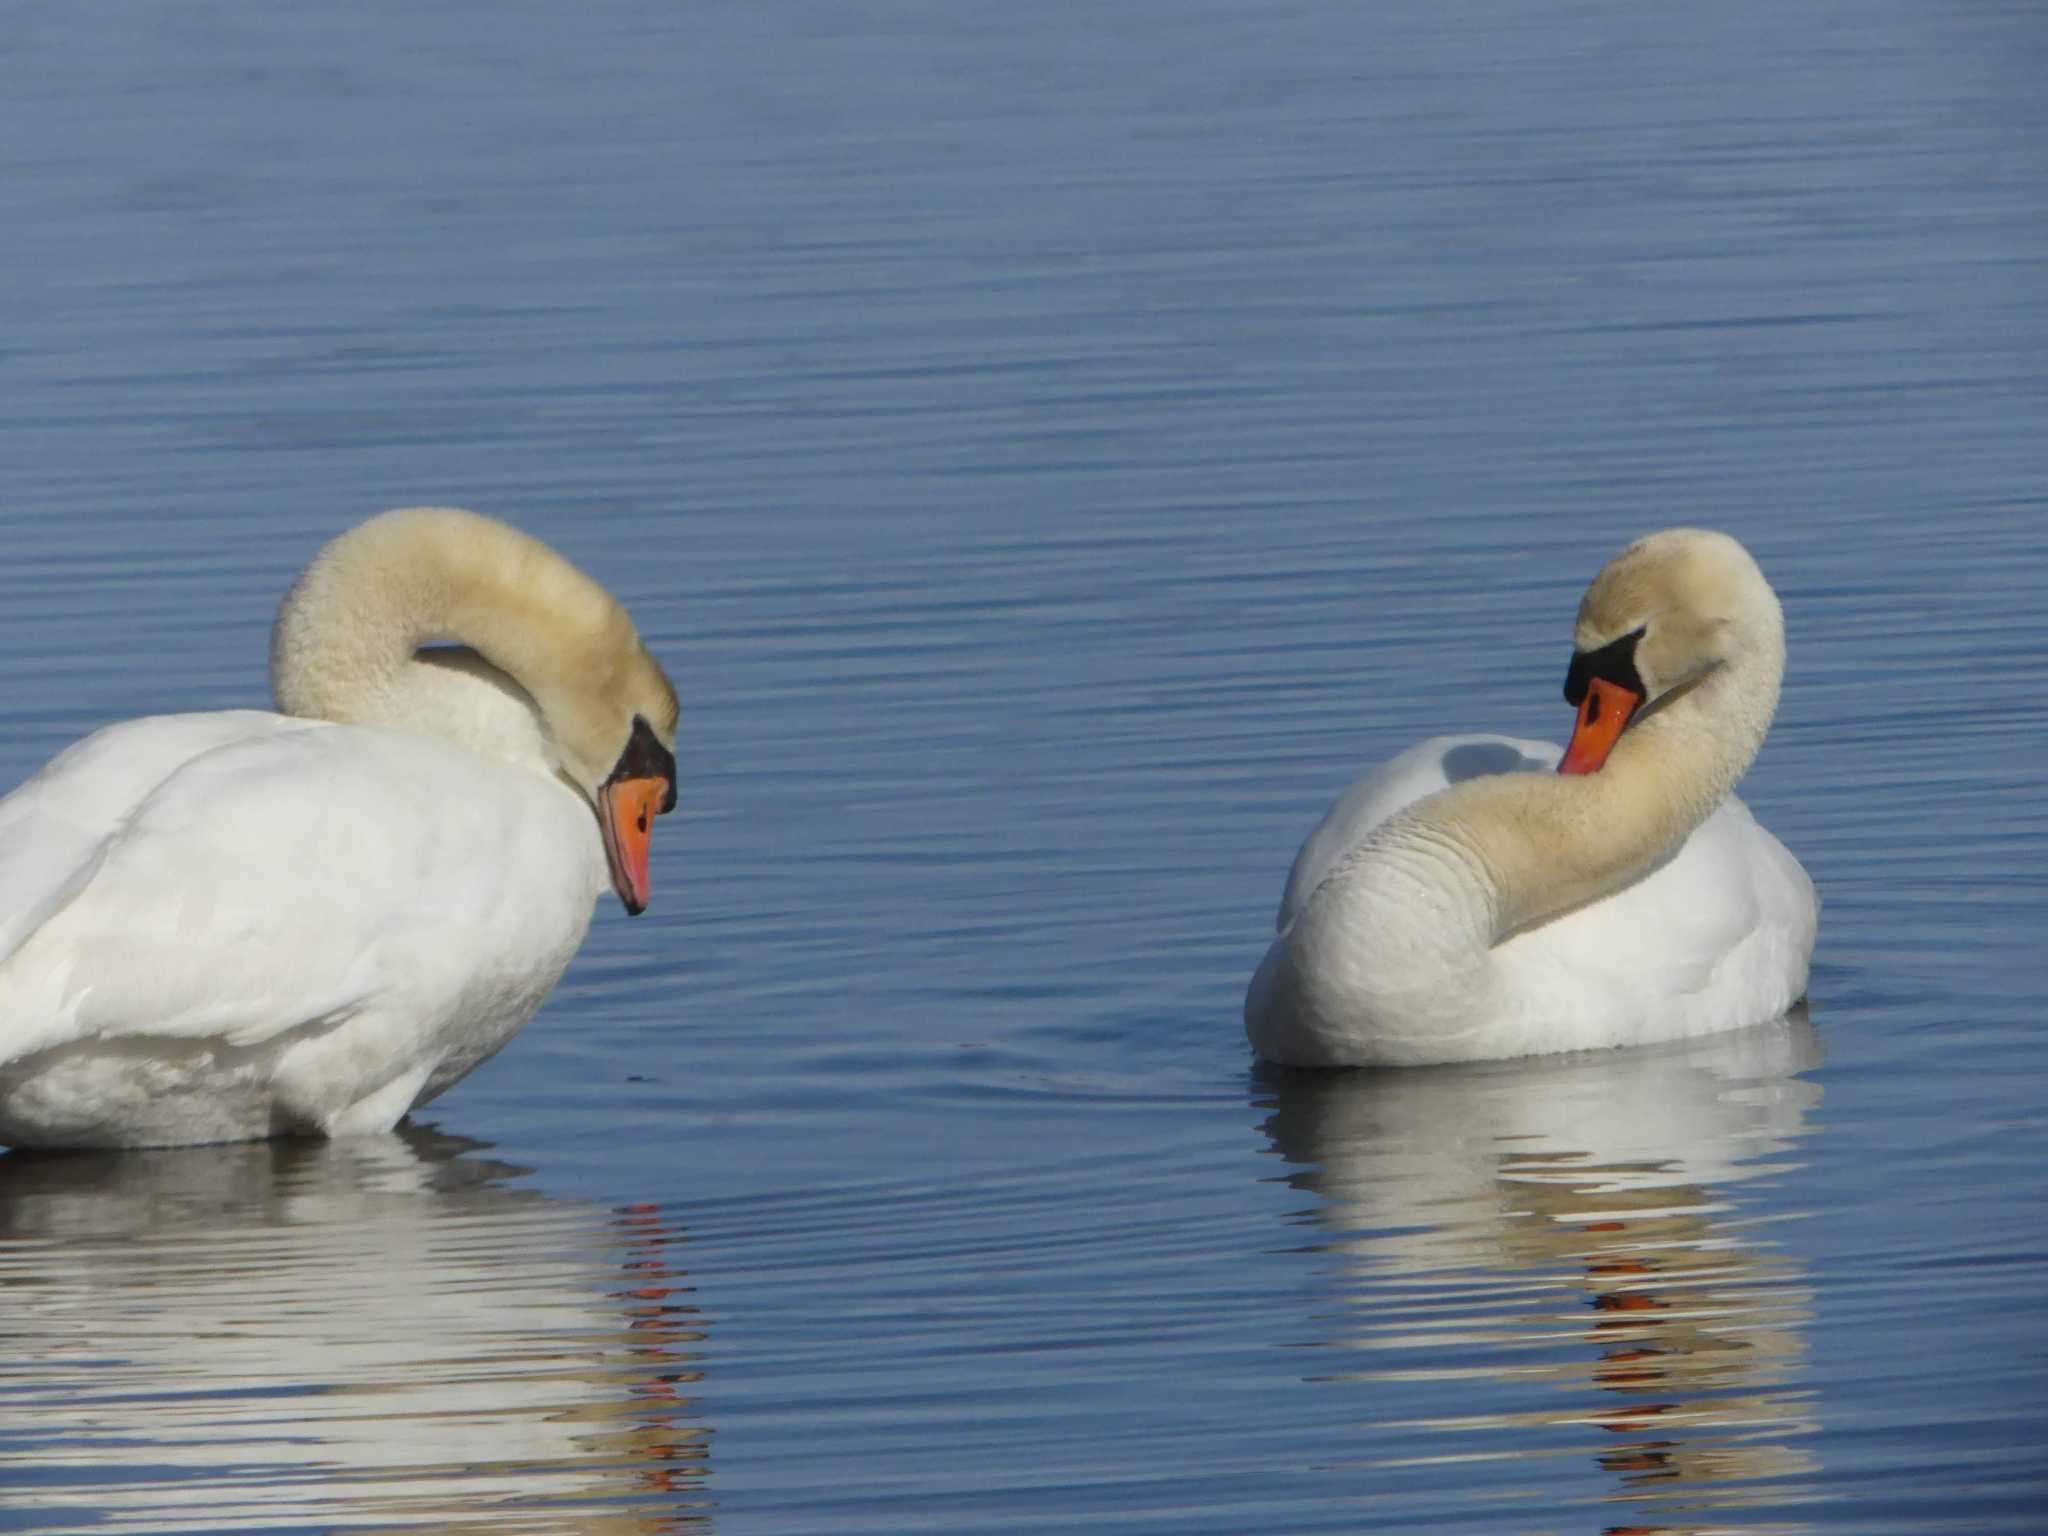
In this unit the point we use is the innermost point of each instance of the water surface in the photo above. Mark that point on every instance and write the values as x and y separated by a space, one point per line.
1055 450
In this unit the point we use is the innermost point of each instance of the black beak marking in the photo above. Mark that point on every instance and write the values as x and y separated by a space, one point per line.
646 758
1615 661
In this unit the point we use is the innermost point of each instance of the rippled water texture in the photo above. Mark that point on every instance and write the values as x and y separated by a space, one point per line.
1056 449
378 1333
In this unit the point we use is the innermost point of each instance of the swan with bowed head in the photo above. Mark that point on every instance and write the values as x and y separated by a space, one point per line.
225 926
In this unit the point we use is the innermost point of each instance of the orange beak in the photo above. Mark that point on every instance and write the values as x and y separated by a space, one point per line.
626 809
1602 713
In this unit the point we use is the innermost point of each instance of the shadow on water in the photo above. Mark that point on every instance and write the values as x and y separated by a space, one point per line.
367 1333
1541 1259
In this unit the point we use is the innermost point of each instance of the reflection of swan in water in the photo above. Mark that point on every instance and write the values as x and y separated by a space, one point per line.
327 1335
1541 1246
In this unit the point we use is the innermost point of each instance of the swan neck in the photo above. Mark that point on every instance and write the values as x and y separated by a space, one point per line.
347 644
1544 845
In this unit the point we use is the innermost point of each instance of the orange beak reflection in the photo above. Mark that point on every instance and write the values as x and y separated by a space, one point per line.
626 809
1602 713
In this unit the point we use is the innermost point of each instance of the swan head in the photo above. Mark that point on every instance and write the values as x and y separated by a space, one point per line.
613 729
1663 616
395 590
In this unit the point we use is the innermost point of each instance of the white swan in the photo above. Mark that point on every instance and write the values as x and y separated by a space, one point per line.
224 926
1447 910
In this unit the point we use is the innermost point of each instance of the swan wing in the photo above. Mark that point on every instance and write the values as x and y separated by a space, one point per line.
1721 930
56 827
276 873
1730 895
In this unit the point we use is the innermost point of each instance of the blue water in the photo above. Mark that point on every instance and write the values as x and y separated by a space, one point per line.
1055 449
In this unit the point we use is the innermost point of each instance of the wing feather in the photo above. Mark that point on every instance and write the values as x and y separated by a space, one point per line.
283 874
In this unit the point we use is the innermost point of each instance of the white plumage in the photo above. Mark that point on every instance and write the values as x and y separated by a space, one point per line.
1714 937
1468 902
230 925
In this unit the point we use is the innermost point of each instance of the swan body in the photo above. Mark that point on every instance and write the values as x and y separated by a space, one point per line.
239 924
1466 903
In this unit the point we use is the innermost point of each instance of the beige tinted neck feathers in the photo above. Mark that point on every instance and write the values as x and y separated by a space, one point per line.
1711 657
347 638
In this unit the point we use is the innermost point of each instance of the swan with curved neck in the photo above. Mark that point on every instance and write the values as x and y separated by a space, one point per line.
240 924
564 676
1442 914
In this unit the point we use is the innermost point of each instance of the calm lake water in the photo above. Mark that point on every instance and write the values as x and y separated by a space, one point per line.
1056 448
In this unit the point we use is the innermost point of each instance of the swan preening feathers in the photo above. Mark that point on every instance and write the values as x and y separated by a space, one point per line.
241 924
1450 908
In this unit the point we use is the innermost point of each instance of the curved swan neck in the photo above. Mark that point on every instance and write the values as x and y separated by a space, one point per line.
1397 953
1550 843
346 645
